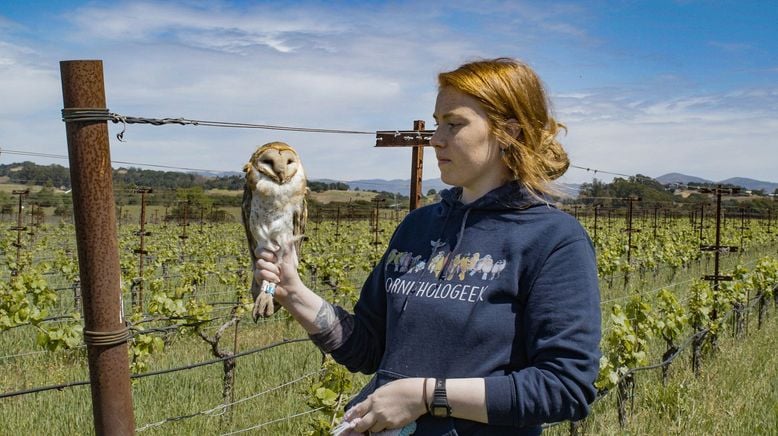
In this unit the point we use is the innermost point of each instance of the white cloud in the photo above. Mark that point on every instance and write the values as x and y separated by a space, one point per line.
715 136
26 87
362 68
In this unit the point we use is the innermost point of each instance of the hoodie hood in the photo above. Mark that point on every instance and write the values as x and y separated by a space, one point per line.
510 196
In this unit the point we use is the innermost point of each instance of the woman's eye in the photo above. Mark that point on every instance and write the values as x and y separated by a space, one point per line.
449 125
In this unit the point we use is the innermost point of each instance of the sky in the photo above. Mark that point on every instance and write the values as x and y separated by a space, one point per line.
644 87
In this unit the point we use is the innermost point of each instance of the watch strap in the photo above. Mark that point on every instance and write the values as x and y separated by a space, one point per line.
439 407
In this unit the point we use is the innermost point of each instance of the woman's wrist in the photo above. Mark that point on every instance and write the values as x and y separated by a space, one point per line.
428 389
290 292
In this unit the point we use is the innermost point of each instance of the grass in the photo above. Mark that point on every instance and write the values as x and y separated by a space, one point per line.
8 187
342 196
735 394
170 395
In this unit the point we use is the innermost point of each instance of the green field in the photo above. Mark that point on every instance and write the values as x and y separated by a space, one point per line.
734 394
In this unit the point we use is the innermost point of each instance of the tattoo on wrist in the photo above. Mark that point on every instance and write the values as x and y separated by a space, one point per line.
326 317
335 326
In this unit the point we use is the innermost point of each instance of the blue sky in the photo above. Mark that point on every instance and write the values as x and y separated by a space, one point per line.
644 87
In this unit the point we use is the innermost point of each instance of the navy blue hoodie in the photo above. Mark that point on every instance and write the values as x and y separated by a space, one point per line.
503 288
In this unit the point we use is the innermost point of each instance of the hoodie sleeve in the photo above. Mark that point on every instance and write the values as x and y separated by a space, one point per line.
364 348
562 323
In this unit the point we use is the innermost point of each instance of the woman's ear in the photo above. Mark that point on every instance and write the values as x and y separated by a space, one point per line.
513 128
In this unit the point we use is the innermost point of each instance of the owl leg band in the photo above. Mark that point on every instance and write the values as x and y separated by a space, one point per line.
268 287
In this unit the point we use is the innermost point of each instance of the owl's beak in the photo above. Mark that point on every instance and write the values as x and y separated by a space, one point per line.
283 177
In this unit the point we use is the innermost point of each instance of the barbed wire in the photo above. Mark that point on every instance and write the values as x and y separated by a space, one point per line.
101 114
595 171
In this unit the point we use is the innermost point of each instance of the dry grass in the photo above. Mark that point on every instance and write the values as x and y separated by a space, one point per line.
342 196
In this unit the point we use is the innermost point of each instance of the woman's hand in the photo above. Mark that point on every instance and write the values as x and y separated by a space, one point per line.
391 406
282 272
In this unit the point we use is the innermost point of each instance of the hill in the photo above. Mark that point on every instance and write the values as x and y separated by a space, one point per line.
683 179
331 196
753 185
396 186
744 182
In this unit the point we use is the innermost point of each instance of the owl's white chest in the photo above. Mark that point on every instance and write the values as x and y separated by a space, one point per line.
272 215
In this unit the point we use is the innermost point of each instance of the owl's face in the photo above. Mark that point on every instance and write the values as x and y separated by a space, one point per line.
277 161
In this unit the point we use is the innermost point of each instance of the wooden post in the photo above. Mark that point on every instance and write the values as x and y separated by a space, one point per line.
417 166
105 332
417 139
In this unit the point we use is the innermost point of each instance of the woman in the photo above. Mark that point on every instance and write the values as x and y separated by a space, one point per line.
493 327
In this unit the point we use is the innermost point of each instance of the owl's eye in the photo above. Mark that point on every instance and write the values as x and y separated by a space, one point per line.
267 161
289 162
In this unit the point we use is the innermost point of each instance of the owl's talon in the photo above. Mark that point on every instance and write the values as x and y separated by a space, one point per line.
263 306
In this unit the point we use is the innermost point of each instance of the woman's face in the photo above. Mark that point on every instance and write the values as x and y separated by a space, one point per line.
468 155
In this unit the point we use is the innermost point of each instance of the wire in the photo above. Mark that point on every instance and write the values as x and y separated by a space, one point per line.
61 156
221 407
153 373
638 176
102 114
287 418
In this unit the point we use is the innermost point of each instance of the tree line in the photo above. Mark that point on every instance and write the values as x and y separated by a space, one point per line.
651 193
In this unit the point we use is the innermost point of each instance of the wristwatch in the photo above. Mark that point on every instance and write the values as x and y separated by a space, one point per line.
440 407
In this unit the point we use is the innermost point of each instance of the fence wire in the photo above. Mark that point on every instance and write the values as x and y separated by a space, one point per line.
221 408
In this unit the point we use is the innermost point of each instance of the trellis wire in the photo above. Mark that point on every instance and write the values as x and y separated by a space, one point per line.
750 305
264 424
213 411
154 373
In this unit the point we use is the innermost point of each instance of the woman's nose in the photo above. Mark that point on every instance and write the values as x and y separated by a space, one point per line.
436 140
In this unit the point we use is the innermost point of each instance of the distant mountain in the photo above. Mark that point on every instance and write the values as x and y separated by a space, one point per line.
400 186
221 174
749 184
680 178
569 189
403 186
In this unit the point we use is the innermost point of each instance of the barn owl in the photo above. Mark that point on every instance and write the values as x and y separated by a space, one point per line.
274 210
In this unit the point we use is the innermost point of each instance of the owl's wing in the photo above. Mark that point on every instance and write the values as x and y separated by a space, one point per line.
245 212
298 223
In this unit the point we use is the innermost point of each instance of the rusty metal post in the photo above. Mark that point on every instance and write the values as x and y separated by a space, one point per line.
702 221
337 221
137 297
19 228
417 165
98 251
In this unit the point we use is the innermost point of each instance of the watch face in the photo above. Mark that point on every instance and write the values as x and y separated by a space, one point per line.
439 411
